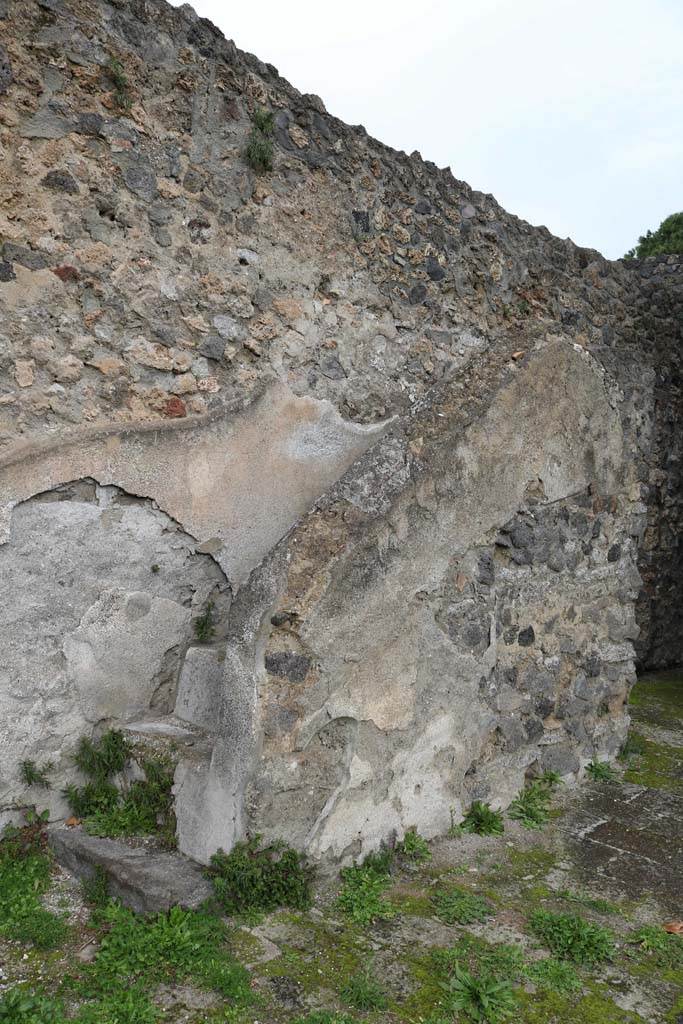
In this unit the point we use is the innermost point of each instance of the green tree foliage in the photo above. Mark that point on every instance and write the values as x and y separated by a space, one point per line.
668 238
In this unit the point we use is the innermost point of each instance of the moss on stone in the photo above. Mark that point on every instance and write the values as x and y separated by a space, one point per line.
595 1007
658 767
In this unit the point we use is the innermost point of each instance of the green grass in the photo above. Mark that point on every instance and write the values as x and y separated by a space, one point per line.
18 1006
570 937
252 877
24 877
502 961
483 820
658 947
506 962
456 905
657 766
363 887
144 809
553 975
137 953
363 992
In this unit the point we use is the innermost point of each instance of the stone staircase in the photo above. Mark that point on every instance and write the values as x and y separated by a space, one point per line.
144 877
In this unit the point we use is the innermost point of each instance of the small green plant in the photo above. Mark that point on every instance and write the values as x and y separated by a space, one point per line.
501 961
34 775
531 806
551 779
363 887
480 999
119 80
259 150
18 1006
570 937
100 759
482 819
553 975
601 771
263 120
144 808
204 628
252 877
92 799
363 992
659 947
414 847
155 568
459 906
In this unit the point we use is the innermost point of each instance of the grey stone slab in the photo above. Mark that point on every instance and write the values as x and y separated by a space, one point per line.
145 880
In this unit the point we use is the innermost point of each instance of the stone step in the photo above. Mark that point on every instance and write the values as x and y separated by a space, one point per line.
146 880
185 742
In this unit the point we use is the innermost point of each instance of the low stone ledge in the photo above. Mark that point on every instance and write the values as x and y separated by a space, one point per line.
145 880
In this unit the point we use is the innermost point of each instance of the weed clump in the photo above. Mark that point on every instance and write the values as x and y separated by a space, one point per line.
252 877
119 80
531 806
482 819
21 1007
553 975
363 992
363 888
36 775
259 150
601 771
204 628
143 808
659 947
459 906
480 998
570 937
413 847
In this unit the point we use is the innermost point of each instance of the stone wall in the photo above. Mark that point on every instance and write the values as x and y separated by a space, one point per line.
660 317
419 447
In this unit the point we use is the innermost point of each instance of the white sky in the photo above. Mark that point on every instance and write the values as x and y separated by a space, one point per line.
569 111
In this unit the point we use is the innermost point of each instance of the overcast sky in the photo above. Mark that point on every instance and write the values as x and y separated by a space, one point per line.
569 111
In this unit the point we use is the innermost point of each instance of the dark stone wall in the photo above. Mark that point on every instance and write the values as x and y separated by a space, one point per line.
660 315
